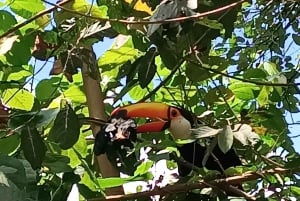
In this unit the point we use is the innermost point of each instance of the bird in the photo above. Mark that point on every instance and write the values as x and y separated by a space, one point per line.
179 122
115 138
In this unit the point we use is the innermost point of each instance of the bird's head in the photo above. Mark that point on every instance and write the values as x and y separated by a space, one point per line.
179 121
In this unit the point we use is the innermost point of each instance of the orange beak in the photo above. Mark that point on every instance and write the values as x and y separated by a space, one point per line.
158 112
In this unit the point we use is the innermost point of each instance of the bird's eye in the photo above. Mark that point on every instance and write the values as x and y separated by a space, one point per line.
173 113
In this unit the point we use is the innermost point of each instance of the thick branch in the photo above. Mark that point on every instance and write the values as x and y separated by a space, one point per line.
95 105
220 183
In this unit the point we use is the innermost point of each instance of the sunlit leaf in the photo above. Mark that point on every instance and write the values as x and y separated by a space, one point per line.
137 93
243 90
111 61
18 98
75 93
143 168
27 9
43 21
263 96
20 73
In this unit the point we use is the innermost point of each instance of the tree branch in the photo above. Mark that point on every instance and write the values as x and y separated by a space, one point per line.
177 19
220 183
96 109
208 68
44 12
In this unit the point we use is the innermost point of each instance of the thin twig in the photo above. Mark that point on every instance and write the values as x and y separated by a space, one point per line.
40 14
163 82
186 187
208 68
177 19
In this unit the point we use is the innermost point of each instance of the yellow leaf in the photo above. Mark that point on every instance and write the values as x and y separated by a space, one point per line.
140 6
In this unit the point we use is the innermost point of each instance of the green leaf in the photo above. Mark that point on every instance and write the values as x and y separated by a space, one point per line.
255 74
137 92
197 74
81 6
13 170
47 89
117 181
263 97
33 146
44 117
20 74
244 91
270 68
128 87
9 20
62 192
57 163
10 145
213 24
40 118
143 168
295 190
146 67
112 182
20 53
99 11
293 162
78 151
66 128
18 99
111 61
76 94
26 8
296 38
225 139
217 95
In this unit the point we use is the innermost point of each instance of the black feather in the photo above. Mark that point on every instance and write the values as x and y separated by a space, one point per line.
194 154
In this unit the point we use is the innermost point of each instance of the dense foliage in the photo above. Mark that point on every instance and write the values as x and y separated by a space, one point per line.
237 59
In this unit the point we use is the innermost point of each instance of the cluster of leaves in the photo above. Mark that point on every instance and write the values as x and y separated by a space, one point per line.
237 63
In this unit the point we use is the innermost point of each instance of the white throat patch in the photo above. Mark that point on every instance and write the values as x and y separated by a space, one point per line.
180 128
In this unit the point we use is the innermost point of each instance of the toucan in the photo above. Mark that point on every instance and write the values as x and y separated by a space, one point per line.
179 122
